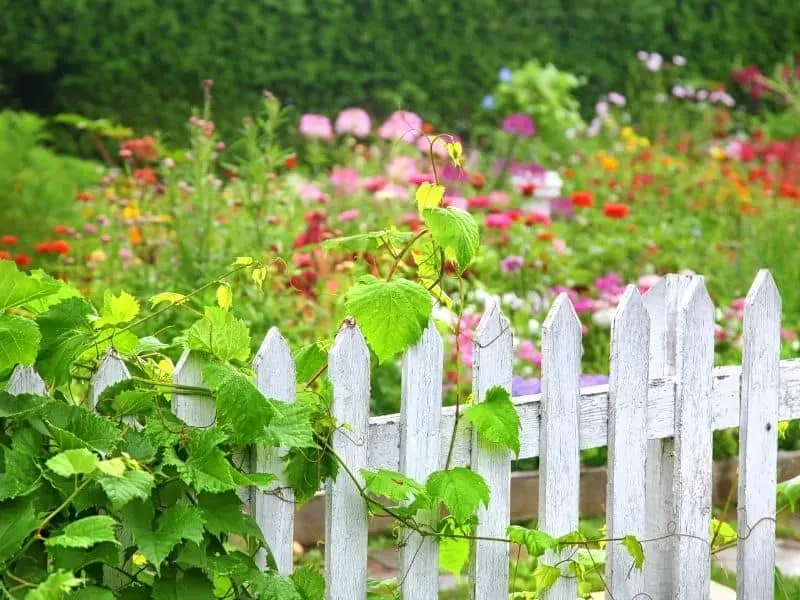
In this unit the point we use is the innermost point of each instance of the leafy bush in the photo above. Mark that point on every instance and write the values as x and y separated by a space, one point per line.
443 57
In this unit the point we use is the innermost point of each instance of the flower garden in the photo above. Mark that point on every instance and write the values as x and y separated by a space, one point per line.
325 215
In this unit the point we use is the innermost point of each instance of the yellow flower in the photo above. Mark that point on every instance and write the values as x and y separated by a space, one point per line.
717 153
111 194
609 163
97 256
138 559
627 132
131 211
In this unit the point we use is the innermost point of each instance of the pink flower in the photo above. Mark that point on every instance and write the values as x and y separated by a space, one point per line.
345 180
401 125
511 264
647 281
499 198
439 146
498 221
316 126
311 193
420 178
583 305
393 192
355 121
374 184
401 168
560 246
349 215
456 202
527 351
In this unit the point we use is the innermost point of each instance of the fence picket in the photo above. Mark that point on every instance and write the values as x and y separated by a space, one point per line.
662 305
420 415
193 409
25 380
559 465
758 439
627 440
492 362
274 511
693 460
345 509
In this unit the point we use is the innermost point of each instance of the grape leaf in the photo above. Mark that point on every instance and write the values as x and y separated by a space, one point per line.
496 419
57 291
789 492
92 592
456 231
17 521
428 195
75 559
391 484
117 310
55 586
66 331
461 489
18 288
306 470
271 586
174 524
85 532
22 474
722 533
223 514
545 576
132 485
242 410
21 405
177 585
77 427
290 426
79 461
221 334
536 542
309 584
19 342
634 548
391 314
206 469
454 552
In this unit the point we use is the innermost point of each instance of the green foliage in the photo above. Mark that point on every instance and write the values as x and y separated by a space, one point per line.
535 542
221 334
460 489
456 231
391 314
85 533
496 419
635 549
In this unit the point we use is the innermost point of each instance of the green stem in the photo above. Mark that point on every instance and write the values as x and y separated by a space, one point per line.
403 252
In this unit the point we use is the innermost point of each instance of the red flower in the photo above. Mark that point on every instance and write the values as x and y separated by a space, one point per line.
44 248
142 148
9 240
615 210
582 198
479 202
22 260
527 189
290 162
59 247
535 217
5 255
499 221
60 229
145 176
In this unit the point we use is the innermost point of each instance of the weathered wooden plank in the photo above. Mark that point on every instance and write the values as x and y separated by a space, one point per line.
345 508
593 414
274 510
693 460
559 466
627 440
193 409
493 358
420 414
25 380
111 370
758 439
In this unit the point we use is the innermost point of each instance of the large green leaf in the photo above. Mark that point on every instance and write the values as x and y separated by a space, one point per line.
456 231
290 426
19 342
18 288
207 469
178 585
242 410
85 532
309 584
180 522
77 427
17 521
391 484
271 586
66 332
221 334
496 419
21 472
391 314
78 461
132 485
223 514
460 489
58 585
118 309
535 541
76 559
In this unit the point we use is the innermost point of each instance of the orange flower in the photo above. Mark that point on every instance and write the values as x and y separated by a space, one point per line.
135 236
5 255
428 129
9 240
60 229
750 209
545 236
22 260
569 173
615 210
145 176
43 247
290 162
84 197
582 198
59 246
477 180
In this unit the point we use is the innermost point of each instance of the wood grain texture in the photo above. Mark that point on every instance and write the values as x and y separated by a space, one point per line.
25 380
111 370
274 510
559 465
345 508
758 439
492 362
194 410
627 440
693 441
420 415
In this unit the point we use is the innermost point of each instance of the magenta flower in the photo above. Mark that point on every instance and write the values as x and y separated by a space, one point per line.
439 146
316 127
402 125
498 221
349 215
374 184
512 264
519 124
311 193
527 351
345 180
354 121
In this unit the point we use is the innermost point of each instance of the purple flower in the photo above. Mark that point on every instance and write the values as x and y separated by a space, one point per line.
616 98
610 284
521 386
590 380
519 124
562 207
512 264
678 60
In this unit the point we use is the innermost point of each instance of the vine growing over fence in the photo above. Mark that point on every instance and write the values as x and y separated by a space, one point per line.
115 496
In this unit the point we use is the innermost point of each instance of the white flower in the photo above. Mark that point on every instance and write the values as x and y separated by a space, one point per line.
604 317
513 301
534 326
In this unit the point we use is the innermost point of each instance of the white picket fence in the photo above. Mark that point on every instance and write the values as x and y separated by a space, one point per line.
656 415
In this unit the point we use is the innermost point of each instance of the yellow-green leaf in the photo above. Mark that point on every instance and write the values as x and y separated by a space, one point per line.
243 261
429 195
224 296
171 297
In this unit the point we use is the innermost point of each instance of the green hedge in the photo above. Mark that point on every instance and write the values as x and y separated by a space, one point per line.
141 61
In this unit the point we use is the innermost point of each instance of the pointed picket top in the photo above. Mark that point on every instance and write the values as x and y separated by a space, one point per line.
493 324
627 439
561 318
274 510
111 370
696 305
349 350
194 410
763 295
758 438
25 380
274 367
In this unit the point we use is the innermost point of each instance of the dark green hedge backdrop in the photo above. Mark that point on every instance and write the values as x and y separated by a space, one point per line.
141 61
